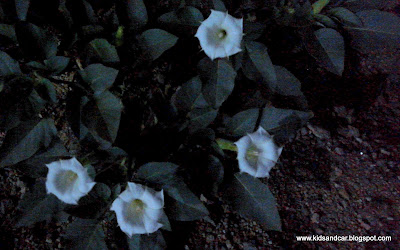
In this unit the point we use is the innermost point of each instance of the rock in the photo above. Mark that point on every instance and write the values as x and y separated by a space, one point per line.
319 231
319 132
314 218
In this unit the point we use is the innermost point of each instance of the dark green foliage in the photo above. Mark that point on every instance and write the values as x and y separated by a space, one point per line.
154 241
218 80
85 234
38 206
253 200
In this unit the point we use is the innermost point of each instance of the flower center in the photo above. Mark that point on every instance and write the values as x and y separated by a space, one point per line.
221 34
252 154
137 205
65 180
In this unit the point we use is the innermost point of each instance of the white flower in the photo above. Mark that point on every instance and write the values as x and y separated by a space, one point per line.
138 209
220 35
257 153
68 180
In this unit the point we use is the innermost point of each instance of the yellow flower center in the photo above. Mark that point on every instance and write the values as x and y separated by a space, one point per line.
252 154
65 179
221 34
137 205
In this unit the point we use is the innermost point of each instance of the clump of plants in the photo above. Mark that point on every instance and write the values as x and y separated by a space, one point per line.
168 101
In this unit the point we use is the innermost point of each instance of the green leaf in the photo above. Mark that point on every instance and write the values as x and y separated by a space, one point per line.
219 5
8 66
38 206
253 199
153 241
99 77
57 64
102 114
242 123
218 78
8 31
154 42
91 171
287 84
35 166
85 234
346 17
257 57
47 90
252 30
25 140
157 172
333 44
101 191
273 118
381 30
358 5
184 20
22 7
201 118
326 21
137 14
327 47
190 96
102 51
183 205
35 41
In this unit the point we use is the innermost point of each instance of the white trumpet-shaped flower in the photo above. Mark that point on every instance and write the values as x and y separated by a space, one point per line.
68 180
220 35
257 153
139 209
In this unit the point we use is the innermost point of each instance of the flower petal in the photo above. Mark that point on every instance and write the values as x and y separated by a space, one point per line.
153 199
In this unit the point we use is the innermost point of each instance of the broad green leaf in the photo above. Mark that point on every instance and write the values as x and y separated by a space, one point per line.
35 166
190 96
47 90
99 77
185 19
327 47
218 78
319 5
346 17
183 205
57 64
157 172
273 118
287 84
258 56
85 234
358 5
102 51
252 31
153 241
219 5
253 199
381 30
137 13
201 118
22 7
8 31
101 191
102 115
35 41
25 140
91 171
37 205
36 65
242 123
8 66
154 42
325 20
